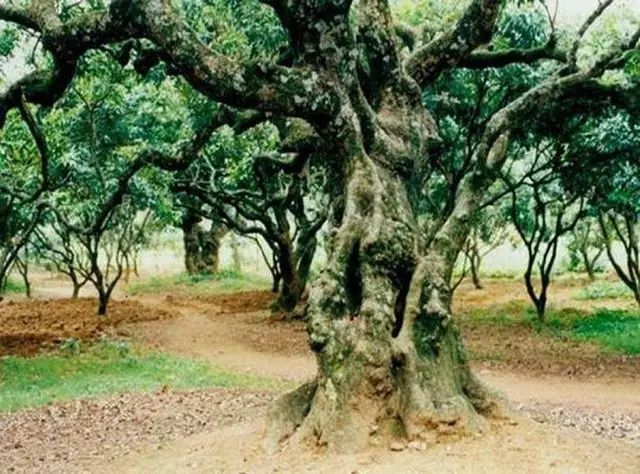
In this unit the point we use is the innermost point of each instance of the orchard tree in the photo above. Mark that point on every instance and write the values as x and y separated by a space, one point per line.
25 185
542 212
608 176
241 181
389 353
201 244
489 230
586 247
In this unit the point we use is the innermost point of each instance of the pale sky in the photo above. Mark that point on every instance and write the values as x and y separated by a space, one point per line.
576 10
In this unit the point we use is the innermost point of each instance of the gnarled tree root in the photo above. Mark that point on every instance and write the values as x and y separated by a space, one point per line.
305 416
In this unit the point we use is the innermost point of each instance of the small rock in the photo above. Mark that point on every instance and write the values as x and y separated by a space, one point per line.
396 446
417 445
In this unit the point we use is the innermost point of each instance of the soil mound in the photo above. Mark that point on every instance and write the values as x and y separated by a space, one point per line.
28 326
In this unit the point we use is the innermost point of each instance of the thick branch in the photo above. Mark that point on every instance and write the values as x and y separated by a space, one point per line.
484 59
475 28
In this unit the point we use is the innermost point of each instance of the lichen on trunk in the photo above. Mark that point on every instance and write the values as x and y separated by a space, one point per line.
390 358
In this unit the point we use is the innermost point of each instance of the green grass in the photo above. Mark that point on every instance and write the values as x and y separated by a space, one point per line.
106 368
14 286
604 290
226 281
615 331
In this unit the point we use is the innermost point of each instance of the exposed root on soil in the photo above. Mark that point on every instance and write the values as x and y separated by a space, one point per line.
312 416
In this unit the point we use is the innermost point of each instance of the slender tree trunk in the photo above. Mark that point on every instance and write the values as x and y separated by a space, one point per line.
275 283
76 291
475 273
541 305
103 302
235 254
23 269
589 265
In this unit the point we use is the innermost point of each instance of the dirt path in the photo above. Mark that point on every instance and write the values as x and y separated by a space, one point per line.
523 448
157 432
254 342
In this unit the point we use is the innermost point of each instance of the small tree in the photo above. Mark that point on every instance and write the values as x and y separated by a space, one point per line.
542 212
586 247
624 228
490 230
56 245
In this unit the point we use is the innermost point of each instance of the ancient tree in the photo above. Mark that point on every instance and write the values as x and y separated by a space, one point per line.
389 355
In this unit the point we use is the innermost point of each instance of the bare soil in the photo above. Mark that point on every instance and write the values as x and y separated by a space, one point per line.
28 326
65 437
588 421
523 448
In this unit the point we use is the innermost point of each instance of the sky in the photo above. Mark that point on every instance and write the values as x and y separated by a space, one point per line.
576 10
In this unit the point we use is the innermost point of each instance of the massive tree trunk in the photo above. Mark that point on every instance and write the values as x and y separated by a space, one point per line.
210 243
191 238
201 246
390 358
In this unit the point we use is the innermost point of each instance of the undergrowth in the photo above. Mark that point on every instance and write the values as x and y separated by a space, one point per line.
614 330
14 286
604 290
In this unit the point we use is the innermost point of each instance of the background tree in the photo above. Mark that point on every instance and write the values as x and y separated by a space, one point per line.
489 230
25 183
607 175
285 211
586 247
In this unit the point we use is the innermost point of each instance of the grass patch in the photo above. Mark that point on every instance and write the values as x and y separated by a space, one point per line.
614 330
225 281
604 290
14 286
106 368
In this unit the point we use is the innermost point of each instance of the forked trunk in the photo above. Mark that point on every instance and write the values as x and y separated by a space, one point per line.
390 358
291 285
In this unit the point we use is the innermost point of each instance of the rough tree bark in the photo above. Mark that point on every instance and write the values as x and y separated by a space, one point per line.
201 245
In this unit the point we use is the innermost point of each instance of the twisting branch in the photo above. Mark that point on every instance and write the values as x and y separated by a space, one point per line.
485 59
591 19
41 144
254 85
178 161
475 28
